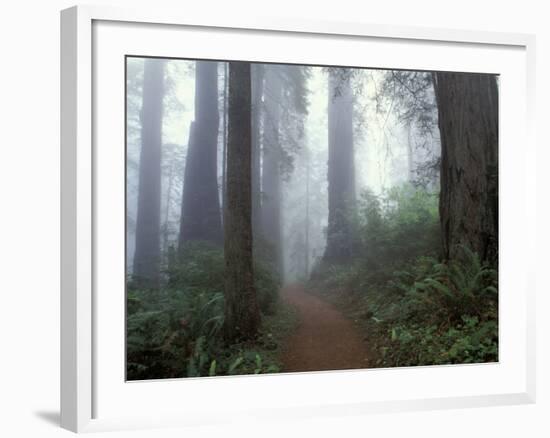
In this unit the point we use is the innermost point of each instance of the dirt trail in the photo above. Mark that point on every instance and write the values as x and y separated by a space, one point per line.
324 339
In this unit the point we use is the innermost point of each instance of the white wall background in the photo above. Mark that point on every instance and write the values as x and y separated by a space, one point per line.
29 217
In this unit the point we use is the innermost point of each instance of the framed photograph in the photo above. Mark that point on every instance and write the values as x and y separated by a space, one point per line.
259 208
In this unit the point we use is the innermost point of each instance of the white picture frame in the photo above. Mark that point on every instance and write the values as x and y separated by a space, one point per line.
82 369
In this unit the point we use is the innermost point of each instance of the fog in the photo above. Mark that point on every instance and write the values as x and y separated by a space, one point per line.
388 151
298 218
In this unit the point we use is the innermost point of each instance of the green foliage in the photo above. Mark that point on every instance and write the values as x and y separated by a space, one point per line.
177 331
402 225
415 310
448 314
170 328
266 275
200 265
464 286
417 344
391 231
267 288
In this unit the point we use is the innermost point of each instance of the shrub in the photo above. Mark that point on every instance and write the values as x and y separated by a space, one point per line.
175 331
267 288
162 331
199 265
415 310
437 313
399 226
464 286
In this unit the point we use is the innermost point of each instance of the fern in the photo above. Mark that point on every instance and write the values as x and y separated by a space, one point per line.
233 367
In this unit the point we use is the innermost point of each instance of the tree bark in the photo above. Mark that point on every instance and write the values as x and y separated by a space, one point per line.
341 173
147 252
271 165
468 124
201 215
242 315
167 209
224 157
307 213
257 72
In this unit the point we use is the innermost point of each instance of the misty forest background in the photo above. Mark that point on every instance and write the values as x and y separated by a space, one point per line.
375 191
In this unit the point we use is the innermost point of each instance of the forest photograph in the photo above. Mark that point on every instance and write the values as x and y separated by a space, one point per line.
291 218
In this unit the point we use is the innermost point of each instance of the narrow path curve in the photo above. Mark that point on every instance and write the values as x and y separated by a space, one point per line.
324 339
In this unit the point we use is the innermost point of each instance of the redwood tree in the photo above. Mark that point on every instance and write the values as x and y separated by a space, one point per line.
271 164
257 90
147 253
341 173
468 123
201 215
242 315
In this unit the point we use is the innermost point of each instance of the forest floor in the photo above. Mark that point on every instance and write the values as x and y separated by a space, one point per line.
324 339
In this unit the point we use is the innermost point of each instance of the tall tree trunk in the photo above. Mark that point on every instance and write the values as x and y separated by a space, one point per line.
468 124
147 252
307 213
224 158
168 205
271 166
341 173
242 315
201 216
257 72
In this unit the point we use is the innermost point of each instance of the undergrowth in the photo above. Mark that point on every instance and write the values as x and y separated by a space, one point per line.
413 308
175 331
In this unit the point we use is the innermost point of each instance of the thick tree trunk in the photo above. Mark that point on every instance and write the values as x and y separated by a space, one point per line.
271 166
242 315
341 173
468 123
147 252
201 216
257 72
